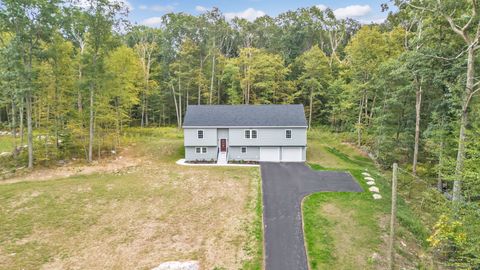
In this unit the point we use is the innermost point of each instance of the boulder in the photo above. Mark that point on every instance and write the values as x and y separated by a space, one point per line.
369 179
370 183
377 196
374 189
365 174
188 265
6 154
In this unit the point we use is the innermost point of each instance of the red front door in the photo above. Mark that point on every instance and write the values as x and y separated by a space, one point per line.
223 145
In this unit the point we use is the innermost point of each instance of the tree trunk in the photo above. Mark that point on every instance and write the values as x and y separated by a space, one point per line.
359 121
29 130
457 184
418 106
91 125
311 110
21 121
440 165
212 79
14 128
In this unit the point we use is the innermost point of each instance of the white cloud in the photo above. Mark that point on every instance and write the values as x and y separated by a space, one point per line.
376 21
321 7
249 14
85 4
158 8
152 21
352 11
201 9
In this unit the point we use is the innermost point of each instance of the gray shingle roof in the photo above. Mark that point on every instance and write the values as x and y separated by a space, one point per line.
245 116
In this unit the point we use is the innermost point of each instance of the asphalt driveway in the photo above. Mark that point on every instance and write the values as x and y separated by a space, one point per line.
284 186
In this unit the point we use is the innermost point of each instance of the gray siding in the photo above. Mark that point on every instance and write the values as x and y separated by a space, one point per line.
191 155
209 137
235 153
268 137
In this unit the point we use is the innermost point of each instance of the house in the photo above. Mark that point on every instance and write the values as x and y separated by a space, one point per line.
225 133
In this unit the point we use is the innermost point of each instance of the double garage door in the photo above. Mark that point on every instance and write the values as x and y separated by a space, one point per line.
284 154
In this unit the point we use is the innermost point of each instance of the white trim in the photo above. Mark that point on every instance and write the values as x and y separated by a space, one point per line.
183 163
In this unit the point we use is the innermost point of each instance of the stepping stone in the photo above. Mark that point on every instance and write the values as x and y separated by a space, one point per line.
377 196
189 265
369 179
370 183
365 174
374 189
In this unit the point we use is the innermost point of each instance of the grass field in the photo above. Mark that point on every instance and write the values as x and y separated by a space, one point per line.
349 230
135 218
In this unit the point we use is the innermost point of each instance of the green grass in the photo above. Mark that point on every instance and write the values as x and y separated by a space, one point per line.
255 231
6 144
343 230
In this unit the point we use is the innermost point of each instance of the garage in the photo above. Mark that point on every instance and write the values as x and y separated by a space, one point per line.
270 154
292 154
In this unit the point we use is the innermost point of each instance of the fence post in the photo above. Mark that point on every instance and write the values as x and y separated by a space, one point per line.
391 244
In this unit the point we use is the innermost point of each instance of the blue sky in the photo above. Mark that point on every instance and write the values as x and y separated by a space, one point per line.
148 12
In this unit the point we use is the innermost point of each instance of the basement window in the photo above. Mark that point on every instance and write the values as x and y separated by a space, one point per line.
244 150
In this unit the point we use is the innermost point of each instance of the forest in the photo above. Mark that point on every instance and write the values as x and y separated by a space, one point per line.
74 74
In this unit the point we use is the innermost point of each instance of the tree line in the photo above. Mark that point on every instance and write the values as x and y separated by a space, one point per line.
74 74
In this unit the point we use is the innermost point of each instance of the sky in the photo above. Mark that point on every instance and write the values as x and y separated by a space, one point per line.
149 12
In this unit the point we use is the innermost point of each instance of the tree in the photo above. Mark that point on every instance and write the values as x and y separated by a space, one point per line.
314 77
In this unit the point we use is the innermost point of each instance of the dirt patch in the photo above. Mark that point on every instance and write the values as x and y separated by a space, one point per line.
124 161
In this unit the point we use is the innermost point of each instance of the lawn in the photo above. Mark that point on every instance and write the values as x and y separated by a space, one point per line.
137 217
349 230
6 144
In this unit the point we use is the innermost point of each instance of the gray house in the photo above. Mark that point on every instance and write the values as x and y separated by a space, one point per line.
225 133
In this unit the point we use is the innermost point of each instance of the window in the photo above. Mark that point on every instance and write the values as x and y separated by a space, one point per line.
288 133
250 134
200 134
244 150
201 150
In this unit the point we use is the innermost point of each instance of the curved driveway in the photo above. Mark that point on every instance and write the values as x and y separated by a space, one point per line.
284 186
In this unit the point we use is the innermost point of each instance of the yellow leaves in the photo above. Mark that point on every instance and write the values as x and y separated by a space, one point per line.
447 231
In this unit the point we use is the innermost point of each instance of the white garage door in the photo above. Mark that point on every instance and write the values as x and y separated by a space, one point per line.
270 154
292 154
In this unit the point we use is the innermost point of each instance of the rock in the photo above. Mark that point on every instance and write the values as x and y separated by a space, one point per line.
374 189
6 154
365 174
370 183
189 265
114 152
369 179
375 257
377 196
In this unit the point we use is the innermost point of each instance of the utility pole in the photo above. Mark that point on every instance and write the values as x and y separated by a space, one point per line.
393 215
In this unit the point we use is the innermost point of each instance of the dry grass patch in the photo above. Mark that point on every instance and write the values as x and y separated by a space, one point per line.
133 219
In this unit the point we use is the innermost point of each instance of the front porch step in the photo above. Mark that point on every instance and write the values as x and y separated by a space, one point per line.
222 158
